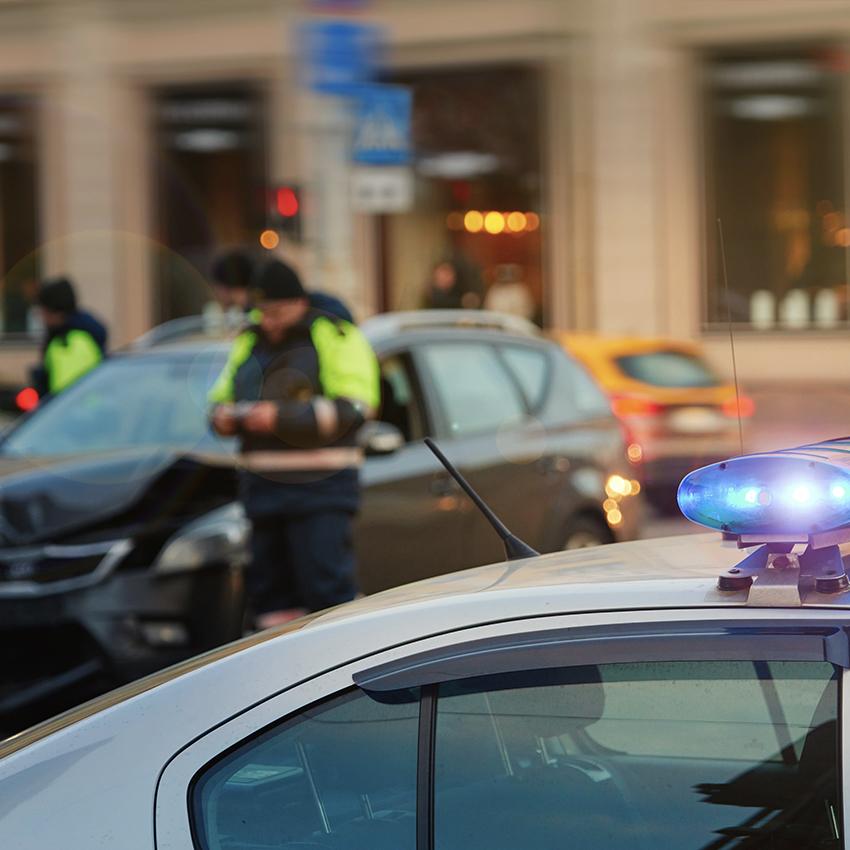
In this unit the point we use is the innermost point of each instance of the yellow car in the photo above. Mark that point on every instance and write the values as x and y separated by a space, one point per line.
676 412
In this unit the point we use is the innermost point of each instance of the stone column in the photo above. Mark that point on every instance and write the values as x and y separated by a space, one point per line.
86 225
624 181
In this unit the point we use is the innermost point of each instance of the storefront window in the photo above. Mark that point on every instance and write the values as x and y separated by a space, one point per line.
473 238
18 214
776 181
211 184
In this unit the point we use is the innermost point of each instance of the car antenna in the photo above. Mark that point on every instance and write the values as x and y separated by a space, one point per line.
731 335
515 549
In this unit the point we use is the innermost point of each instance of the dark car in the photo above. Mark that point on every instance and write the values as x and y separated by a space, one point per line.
121 545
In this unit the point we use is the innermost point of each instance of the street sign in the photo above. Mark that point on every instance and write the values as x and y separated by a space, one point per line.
379 189
382 116
339 55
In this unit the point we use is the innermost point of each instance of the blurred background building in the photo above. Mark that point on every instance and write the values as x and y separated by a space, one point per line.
580 152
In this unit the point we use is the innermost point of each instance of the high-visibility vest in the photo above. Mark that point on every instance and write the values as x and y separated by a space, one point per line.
348 367
68 357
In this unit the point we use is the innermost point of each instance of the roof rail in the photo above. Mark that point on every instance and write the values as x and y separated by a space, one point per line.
217 326
395 322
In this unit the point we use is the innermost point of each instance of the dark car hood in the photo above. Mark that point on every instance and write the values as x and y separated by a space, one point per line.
47 498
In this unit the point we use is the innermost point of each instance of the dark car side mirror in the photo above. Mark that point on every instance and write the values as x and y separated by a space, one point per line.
380 438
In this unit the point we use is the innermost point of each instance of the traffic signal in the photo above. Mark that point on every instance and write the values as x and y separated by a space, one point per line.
285 211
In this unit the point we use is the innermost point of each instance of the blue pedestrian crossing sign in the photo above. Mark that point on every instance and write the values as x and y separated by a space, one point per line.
382 116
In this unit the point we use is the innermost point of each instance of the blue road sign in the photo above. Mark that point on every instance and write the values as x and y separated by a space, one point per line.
382 125
339 55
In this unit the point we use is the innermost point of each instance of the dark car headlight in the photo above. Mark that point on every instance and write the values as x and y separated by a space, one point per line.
221 536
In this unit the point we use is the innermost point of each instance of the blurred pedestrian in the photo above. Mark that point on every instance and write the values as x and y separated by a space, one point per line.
232 273
296 388
509 293
74 341
454 283
232 279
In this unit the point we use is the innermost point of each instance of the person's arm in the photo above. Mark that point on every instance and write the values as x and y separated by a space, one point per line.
307 424
350 378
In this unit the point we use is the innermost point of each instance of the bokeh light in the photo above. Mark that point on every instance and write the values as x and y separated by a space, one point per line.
269 240
634 452
473 221
516 222
494 223
454 221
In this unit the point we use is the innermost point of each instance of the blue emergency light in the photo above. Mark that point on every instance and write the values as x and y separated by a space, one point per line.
777 501
792 494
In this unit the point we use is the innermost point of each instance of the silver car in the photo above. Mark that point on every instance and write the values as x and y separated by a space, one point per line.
602 698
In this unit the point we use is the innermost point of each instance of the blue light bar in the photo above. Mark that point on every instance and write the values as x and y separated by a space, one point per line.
791 493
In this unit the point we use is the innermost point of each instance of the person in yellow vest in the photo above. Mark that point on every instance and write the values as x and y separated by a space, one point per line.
74 341
296 388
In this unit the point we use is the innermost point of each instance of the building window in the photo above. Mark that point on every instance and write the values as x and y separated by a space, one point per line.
776 180
18 214
473 237
211 185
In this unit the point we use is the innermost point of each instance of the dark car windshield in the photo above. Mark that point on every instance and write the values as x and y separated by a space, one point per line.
128 402
667 369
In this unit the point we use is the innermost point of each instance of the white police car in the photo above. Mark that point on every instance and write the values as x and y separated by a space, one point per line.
619 697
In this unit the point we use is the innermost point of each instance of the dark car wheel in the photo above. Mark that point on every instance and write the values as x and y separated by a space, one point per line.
582 532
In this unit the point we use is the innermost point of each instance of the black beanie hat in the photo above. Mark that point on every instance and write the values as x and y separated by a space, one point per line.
57 294
277 281
235 270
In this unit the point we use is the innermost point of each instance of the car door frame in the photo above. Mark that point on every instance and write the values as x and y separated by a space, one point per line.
479 650
532 440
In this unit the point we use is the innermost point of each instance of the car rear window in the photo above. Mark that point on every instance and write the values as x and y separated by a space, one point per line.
667 369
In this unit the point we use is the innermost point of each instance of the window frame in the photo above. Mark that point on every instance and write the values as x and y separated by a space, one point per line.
710 262
489 645
417 385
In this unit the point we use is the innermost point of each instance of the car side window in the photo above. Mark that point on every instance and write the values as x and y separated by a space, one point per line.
339 775
640 755
530 368
589 398
400 398
474 389
575 395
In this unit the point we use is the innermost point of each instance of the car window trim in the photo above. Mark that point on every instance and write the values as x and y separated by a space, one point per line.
686 641
532 409
414 373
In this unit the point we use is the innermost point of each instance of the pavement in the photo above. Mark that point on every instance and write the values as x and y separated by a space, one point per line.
785 416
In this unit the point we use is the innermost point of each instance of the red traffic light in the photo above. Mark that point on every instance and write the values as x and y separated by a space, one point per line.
27 399
287 202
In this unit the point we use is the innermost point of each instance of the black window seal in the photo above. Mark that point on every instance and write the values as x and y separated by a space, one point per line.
697 640
425 768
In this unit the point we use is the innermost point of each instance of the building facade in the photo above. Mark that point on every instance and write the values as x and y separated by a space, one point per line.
603 154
